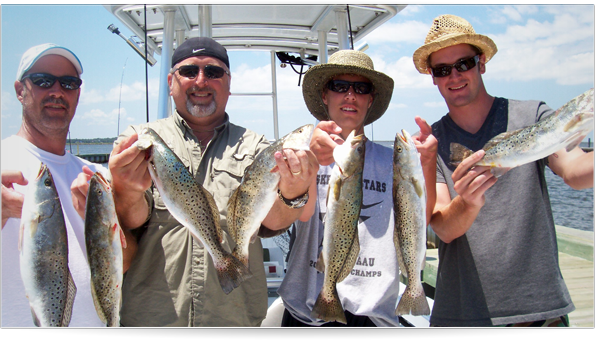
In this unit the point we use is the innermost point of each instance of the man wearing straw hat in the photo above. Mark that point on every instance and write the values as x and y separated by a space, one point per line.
499 258
345 94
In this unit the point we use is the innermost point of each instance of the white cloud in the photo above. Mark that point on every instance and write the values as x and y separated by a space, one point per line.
124 92
560 50
10 104
404 74
407 32
96 117
435 104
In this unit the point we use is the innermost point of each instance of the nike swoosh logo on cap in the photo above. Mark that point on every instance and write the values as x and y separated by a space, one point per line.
194 51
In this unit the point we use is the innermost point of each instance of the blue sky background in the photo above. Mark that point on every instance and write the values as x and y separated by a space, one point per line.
545 53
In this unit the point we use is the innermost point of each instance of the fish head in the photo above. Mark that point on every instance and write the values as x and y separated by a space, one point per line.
147 139
44 179
99 185
299 139
404 148
349 156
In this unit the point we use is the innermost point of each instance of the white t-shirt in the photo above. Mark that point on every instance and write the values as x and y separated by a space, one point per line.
19 154
372 288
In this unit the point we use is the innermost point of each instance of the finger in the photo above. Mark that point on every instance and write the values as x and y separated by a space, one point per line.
10 177
282 165
467 164
424 128
329 127
293 162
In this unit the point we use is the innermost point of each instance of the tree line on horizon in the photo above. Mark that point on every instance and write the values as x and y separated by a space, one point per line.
109 140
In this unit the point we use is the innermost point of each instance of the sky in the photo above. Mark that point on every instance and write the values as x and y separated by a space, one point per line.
545 53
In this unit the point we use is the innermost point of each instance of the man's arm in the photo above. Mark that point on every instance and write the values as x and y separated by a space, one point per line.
575 167
427 146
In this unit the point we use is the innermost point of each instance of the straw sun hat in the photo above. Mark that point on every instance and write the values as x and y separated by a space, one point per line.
346 62
448 30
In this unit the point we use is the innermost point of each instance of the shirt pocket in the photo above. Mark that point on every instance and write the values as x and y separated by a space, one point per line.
227 174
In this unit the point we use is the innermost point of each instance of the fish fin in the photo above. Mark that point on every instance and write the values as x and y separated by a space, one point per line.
351 259
458 153
36 321
574 141
336 189
574 121
123 238
21 233
71 293
497 171
329 309
413 301
419 187
232 205
231 273
214 211
320 263
275 169
399 252
254 236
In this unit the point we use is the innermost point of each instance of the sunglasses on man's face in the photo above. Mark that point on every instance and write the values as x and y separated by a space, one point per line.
46 81
342 86
462 65
210 71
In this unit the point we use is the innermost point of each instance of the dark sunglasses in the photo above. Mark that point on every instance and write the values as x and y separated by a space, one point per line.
46 81
342 86
211 71
462 65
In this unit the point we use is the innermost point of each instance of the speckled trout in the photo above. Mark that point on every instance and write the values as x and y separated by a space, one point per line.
104 240
340 244
43 247
409 199
192 205
564 129
252 200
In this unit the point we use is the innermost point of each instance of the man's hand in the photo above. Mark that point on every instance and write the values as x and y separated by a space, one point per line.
79 190
471 182
325 138
12 201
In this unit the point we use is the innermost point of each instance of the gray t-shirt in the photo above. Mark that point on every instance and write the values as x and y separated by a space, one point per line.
505 268
372 288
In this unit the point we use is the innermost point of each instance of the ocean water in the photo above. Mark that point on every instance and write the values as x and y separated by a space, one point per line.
571 208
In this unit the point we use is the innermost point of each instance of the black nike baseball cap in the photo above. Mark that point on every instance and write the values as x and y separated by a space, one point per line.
199 46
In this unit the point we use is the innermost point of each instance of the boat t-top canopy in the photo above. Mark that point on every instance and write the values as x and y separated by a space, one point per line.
312 31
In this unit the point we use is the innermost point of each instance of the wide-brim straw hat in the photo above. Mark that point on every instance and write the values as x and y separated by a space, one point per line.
449 30
346 62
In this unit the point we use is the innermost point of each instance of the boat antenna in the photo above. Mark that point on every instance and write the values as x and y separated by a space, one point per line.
350 31
120 99
146 67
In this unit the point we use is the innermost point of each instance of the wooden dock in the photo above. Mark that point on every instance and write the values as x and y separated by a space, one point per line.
576 263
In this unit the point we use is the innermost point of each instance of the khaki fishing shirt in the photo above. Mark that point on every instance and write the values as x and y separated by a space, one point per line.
172 280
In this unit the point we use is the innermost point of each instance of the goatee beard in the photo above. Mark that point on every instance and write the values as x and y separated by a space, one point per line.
198 110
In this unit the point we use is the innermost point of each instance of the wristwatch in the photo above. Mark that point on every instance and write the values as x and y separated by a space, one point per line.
295 203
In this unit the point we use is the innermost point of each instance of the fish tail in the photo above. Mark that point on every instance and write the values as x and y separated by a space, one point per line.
328 307
231 273
413 301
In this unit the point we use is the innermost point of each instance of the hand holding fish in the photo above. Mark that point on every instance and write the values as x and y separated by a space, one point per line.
297 169
324 140
12 201
130 180
79 189
471 182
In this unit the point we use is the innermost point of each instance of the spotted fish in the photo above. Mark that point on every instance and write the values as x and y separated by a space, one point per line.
340 244
254 197
104 240
409 199
192 205
564 129
43 249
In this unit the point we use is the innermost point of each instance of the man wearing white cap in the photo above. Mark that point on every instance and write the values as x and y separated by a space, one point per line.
48 87
498 255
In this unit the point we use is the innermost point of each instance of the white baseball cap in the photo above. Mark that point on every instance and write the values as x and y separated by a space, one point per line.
34 53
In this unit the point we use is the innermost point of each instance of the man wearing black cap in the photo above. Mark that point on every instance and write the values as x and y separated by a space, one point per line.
172 281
